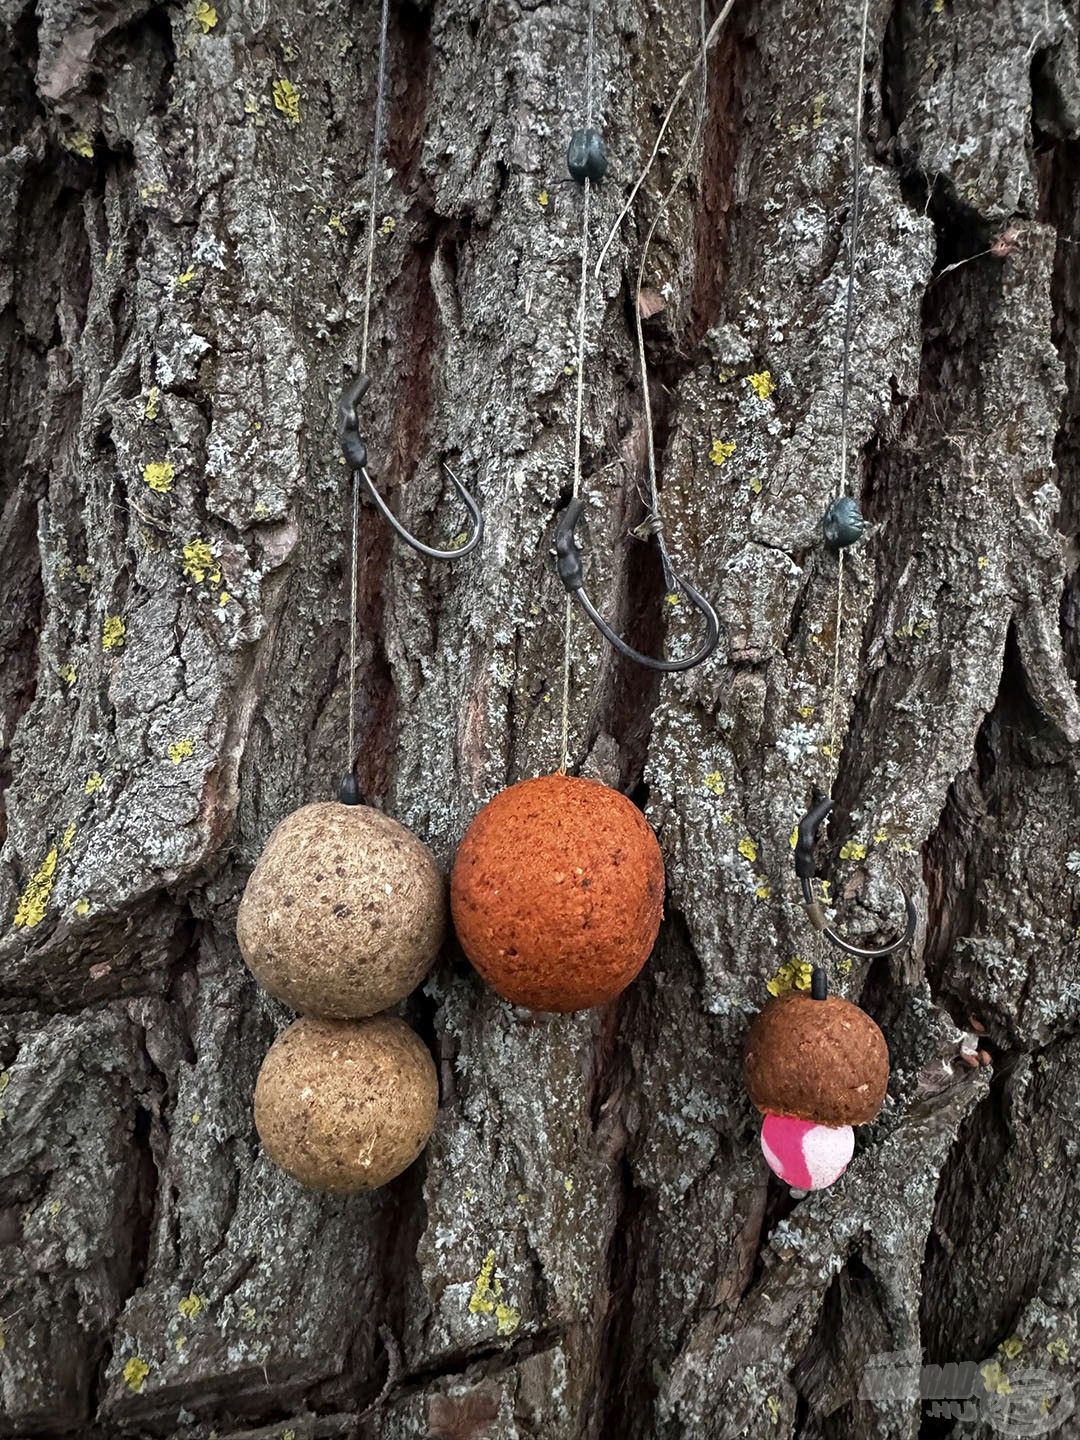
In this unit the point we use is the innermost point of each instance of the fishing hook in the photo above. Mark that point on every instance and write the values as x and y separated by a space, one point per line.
356 455
804 869
571 573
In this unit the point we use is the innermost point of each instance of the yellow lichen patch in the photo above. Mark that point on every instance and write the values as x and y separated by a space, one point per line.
757 485
224 598
200 562
793 838
568 1185
84 573
3 1337
486 1298
185 277
994 1379
764 891
205 16
113 632
135 1373
94 782
195 1118
30 910
1011 1347
772 1404
153 403
67 838
82 907
672 598
853 850
192 1306
794 975
181 750
5 1080
912 630
819 110
543 199
287 100
983 561
880 835
748 848
762 384
721 451
1058 1350
715 783
159 475
79 143
388 226
68 672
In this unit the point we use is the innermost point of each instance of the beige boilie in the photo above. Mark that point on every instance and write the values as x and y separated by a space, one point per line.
344 913
346 1105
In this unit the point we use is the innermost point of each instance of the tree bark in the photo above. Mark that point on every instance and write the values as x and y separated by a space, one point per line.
591 1246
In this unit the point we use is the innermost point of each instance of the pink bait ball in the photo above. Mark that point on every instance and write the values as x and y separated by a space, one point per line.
804 1155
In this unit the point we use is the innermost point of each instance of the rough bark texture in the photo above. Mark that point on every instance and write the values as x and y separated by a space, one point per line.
591 1246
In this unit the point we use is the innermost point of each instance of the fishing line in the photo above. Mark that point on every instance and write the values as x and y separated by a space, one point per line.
376 156
845 393
579 404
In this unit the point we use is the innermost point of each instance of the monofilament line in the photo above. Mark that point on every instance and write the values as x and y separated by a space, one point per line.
373 198
655 520
849 326
579 402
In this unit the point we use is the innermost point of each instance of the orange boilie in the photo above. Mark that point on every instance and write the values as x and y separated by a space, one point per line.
557 893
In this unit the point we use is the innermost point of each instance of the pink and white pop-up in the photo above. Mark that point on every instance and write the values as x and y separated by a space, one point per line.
804 1155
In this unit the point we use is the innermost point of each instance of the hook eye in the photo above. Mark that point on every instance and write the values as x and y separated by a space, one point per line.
804 869
572 575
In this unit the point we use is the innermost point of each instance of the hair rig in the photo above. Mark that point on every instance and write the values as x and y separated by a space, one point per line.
587 163
817 1065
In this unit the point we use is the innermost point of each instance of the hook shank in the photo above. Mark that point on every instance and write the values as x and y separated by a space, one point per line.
804 869
355 450
572 575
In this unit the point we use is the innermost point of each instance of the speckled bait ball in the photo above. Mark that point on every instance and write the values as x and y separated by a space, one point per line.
344 913
819 1060
804 1155
557 893
346 1105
